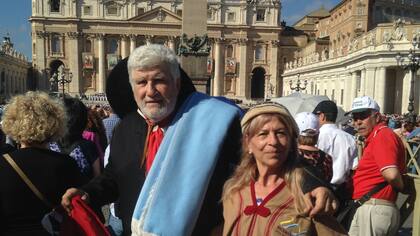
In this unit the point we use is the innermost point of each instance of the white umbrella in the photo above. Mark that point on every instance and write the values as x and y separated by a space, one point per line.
302 102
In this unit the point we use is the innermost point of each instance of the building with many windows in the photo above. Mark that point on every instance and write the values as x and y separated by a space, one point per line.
248 42
14 71
363 37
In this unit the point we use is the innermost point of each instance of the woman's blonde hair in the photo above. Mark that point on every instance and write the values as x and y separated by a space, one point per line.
34 118
247 170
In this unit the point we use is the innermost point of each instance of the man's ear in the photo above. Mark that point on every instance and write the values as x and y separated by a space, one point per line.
322 117
378 117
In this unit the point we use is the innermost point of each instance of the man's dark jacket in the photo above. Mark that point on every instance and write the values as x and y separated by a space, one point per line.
124 175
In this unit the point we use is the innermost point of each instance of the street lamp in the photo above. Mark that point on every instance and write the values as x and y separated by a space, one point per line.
298 88
413 64
61 77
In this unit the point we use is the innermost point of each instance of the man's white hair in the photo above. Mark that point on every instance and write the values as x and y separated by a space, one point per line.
153 55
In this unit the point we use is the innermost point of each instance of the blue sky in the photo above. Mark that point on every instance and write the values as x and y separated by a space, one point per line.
14 15
293 10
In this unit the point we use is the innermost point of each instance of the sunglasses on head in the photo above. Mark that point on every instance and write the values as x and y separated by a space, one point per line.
309 132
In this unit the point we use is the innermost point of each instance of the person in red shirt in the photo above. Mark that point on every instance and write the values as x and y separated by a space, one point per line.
383 160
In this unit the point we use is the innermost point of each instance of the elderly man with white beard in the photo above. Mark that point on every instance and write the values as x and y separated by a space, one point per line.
170 157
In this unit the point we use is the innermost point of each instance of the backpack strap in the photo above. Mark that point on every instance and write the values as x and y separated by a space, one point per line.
27 181
368 195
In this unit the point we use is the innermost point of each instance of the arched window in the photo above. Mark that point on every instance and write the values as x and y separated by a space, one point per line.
88 46
55 5
258 83
112 46
55 44
54 65
229 51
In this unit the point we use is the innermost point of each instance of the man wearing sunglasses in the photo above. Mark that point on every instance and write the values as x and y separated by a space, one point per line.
382 162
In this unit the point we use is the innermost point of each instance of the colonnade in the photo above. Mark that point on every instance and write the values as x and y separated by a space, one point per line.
389 86
12 79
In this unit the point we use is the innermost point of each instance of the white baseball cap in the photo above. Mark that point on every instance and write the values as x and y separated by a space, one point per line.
361 104
305 121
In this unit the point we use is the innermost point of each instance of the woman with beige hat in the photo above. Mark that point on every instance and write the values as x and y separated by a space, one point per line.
265 196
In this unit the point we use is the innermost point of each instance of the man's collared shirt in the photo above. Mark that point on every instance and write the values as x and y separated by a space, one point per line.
341 146
109 124
383 149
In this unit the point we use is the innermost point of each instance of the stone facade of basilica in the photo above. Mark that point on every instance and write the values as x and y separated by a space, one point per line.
89 37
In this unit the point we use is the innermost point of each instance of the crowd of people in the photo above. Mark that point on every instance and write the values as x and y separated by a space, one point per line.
97 97
173 161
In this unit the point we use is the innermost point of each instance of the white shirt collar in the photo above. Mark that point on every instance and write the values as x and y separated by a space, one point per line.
155 126
328 126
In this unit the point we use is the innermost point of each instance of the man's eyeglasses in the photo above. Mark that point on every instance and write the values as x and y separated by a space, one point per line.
361 115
